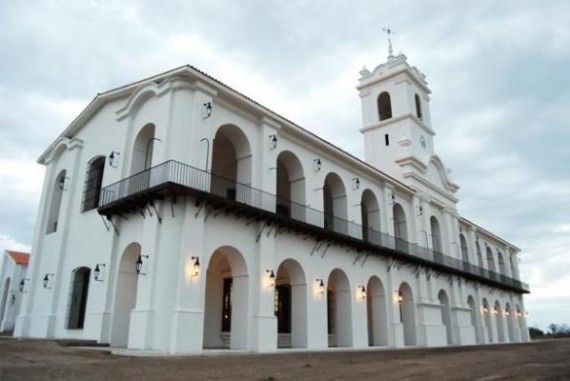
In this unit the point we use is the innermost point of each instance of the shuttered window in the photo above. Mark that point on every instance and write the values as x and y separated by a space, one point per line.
78 298
93 181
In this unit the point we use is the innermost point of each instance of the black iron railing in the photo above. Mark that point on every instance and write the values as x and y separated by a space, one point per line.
182 175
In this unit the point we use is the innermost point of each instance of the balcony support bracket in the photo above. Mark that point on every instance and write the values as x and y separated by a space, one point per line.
265 224
114 227
156 212
316 247
325 250
104 223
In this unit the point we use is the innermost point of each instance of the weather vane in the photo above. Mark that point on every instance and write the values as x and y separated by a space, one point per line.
389 33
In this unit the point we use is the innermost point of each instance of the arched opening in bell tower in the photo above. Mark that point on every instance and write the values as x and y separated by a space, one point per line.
384 106
418 106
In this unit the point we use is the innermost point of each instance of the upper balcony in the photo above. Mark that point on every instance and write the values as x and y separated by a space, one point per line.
173 178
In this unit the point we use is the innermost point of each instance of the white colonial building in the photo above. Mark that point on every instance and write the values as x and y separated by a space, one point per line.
13 268
178 215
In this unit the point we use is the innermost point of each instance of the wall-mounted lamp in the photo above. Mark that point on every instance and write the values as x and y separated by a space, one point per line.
270 277
113 157
495 311
196 266
392 199
507 313
208 109
62 181
485 309
13 299
139 263
317 164
420 210
97 272
320 285
22 286
46 281
400 298
355 183
361 292
272 141
519 314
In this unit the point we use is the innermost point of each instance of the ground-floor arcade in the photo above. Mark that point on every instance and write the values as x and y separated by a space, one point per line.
212 282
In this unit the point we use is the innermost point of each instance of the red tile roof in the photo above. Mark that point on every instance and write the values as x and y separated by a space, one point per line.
19 257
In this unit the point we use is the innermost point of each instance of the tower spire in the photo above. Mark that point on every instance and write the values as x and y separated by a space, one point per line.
389 32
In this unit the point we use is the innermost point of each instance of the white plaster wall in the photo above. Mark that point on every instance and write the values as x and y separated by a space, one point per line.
15 272
169 310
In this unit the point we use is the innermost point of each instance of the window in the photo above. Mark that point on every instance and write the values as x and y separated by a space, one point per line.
78 298
418 106
57 194
384 106
93 181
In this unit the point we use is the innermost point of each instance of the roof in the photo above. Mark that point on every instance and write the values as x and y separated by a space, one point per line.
19 257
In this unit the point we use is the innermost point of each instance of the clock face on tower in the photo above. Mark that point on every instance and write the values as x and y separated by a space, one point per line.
423 141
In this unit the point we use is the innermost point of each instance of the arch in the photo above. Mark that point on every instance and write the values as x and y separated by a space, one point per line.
502 267
510 323
291 191
77 301
226 303
93 182
339 309
143 149
377 315
4 301
490 260
231 164
370 214
445 315
514 273
125 295
55 205
464 248
335 204
400 224
521 324
418 106
140 96
498 312
407 309
474 318
436 242
487 319
438 174
384 106
291 305
58 147
479 255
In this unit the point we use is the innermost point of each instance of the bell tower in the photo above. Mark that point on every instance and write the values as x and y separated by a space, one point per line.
396 124
395 115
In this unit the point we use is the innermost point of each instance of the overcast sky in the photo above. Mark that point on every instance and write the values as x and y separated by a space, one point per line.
499 73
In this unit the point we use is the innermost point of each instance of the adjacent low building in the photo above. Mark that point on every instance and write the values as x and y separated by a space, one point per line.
179 215
12 284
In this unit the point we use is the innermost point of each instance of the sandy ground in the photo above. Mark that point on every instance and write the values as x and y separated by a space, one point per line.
47 360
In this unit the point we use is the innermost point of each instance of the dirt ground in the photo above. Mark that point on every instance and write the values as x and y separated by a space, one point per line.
48 360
